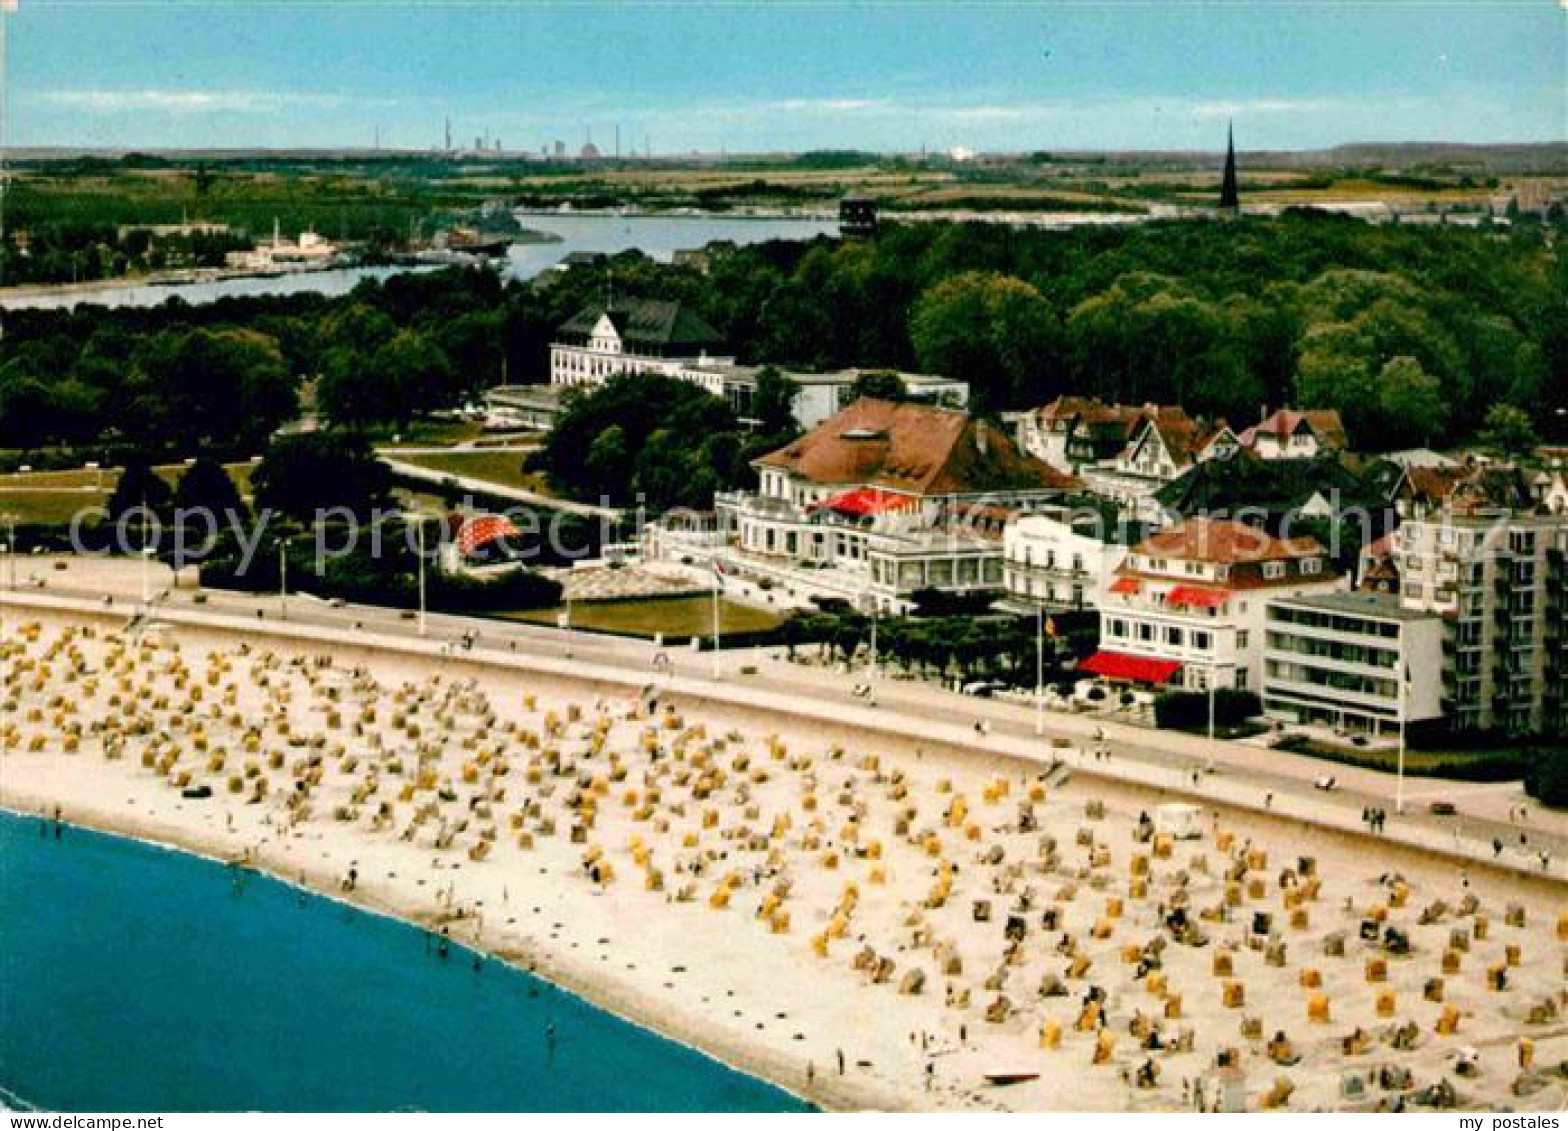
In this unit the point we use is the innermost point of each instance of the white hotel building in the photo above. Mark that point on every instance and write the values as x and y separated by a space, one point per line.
667 339
1187 606
635 336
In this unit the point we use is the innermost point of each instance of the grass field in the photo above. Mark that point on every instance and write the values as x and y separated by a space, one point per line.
55 497
674 617
47 508
502 467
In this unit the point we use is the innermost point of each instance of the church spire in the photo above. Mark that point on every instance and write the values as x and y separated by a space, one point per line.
1230 199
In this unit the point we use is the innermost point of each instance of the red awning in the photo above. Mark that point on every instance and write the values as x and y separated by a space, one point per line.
1126 585
1193 596
1132 669
863 501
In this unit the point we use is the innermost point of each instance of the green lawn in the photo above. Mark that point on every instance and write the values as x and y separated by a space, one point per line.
675 617
48 508
504 468
55 497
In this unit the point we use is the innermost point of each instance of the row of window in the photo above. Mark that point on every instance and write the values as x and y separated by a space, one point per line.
1333 650
1330 680
1350 625
1172 635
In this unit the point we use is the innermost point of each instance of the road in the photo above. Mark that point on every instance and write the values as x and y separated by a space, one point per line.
1240 773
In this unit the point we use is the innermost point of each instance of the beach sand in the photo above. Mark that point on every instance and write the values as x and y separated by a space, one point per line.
780 893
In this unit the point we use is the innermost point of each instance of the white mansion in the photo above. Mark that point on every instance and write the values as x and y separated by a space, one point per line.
668 339
635 336
877 503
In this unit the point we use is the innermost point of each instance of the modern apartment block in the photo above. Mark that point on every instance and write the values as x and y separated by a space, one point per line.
1495 576
1356 661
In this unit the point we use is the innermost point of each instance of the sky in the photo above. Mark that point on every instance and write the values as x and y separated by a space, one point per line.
754 76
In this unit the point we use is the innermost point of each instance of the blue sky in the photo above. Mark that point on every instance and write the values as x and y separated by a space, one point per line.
754 76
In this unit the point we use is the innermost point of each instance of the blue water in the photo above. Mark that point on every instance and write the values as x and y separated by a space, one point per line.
134 978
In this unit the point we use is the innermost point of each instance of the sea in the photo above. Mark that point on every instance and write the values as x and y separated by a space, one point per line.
138 978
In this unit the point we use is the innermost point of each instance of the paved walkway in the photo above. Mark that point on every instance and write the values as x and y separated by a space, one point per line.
1242 775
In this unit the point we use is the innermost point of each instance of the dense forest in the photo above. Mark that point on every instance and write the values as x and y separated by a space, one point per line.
1412 332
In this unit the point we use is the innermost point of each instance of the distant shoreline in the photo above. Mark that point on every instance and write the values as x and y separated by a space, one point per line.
194 276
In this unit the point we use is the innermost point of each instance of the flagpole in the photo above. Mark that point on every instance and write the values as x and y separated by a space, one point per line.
1039 670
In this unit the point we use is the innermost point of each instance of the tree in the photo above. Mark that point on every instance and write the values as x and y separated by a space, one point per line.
410 375
993 330
597 445
1411 403
879 384
138 486
311 472
773 404
205 488
1509 430
225 388
609 460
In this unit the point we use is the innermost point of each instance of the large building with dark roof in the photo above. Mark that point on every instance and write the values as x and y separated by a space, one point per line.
634 336
883 500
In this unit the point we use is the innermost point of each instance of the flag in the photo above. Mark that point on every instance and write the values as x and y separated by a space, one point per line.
719 574
1050 626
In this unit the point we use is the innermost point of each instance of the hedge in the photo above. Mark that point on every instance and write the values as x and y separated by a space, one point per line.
1187 710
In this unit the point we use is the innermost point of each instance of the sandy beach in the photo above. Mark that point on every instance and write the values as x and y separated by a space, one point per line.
863 919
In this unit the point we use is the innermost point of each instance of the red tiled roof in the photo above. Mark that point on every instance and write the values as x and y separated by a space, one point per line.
1324 423
1225 542
913 448
1182 436
1132 669
1126 585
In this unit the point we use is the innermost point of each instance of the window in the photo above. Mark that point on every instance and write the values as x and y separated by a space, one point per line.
1241 638
1311 565
1202 640
1146 632
1175 637
1273 569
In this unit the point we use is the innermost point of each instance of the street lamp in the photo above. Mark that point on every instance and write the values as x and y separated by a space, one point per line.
146 556
283 578
419 533
876 617
10 550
